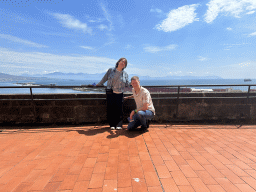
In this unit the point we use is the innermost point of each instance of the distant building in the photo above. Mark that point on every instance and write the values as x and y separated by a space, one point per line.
201 90
227 90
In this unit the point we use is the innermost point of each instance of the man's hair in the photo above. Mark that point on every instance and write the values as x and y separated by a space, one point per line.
135 78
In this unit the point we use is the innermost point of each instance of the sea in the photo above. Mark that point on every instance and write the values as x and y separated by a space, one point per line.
68 82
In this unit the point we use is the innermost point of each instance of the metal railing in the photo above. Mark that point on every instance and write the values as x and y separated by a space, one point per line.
154 86
178 97
51 87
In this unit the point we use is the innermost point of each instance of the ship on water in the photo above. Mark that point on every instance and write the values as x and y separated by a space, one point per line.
247 80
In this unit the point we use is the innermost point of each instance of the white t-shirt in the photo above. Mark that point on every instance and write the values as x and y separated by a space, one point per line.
143 97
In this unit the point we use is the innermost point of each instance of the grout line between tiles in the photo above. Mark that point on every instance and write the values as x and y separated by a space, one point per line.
153 165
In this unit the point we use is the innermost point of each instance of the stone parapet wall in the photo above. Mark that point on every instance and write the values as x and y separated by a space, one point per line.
91 108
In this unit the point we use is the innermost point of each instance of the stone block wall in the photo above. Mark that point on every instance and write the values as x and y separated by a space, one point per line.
91 108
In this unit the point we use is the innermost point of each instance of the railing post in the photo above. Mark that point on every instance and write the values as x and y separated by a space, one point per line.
178 102
30 88
32 100
248 94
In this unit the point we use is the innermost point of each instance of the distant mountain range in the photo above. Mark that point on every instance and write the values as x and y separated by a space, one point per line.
7 78
84 76
98 76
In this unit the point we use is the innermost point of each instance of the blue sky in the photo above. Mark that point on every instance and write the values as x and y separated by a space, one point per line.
158 37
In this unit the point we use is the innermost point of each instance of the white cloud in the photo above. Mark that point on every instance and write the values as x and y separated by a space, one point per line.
200 58
72 23
107 16
110 27
178 72
250 12
36 62
228 7
155 49
128 46
244 64
159 12
87 47
236 45
241 70
7 15
229 28
178 18
111 39
175 73
120 21
142 71
156 10
252 34
102 27
94 20
21 41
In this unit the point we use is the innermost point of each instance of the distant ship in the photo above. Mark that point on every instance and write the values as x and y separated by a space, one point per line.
247 80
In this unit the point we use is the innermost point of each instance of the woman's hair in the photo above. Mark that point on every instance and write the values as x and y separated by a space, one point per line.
121 60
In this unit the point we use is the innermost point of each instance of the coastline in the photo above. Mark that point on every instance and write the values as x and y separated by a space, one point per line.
64 82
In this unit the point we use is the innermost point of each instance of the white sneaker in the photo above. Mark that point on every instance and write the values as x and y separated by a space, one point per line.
118 127
112 128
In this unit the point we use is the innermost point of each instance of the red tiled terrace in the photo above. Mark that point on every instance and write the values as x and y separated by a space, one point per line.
185 158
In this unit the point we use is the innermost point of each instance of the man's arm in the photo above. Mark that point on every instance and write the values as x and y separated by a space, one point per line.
143 108
145 98
128 97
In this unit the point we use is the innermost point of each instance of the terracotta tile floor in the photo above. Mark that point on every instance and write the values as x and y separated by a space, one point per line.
166 158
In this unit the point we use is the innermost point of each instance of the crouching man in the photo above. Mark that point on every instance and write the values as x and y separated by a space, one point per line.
145 110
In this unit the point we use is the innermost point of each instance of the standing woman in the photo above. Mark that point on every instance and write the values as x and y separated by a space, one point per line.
117 79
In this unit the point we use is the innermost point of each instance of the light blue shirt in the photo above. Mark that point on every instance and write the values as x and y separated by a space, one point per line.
117 84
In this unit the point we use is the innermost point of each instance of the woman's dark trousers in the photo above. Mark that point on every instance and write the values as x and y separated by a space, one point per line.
115 109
